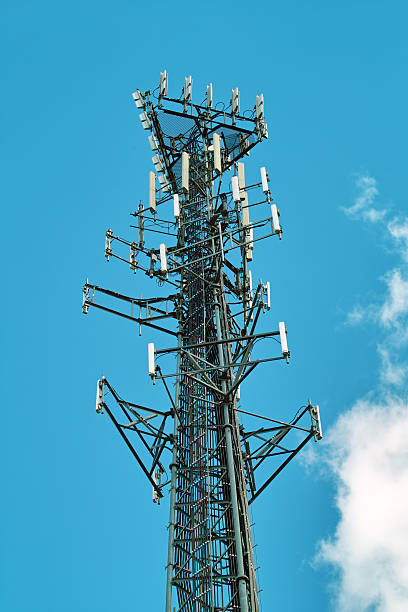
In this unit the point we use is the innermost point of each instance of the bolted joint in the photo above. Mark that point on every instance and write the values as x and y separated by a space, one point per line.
242 577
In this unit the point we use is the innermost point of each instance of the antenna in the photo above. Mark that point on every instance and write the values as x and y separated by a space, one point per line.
153 142
108 244
188 89
235 101
133 257
268 295
264 179
275 220
163 84
284 341
138 99
205 321
235 189
146 125
217 153
241 175
157 162
100 395
163 258
245 210
176 205
164 183
259 107
209 95
152 192
151 360
319 431
185 172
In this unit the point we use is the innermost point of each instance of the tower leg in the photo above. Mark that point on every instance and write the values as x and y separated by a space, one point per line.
173 467
241 579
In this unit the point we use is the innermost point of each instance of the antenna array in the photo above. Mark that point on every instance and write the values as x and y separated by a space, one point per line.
212 221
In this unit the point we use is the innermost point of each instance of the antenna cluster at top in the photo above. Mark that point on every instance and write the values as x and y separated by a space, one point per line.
257 113
174 124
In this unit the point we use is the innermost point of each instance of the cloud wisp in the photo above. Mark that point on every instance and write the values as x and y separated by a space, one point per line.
390 313
364 203
395 307
367 451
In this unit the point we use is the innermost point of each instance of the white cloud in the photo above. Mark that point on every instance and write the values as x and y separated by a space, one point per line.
363 314
362 207
399 231
367 452
357 315
391 373
395 305
392 311
373 215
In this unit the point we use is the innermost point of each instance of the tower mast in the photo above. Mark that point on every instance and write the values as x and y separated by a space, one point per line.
198 198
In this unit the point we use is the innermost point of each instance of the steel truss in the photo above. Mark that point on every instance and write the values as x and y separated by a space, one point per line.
212 311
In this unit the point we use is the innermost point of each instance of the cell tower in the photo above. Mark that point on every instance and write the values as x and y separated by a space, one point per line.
212 221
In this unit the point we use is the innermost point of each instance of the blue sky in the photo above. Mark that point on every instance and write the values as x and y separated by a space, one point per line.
80 531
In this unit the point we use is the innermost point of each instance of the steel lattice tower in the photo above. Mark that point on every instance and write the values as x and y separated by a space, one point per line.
202 205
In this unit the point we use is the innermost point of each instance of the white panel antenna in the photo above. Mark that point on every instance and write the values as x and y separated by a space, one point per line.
100 395
138 98
259 107
157 162
251 238
153 142
264 129
185 162
153 259
152 192
235 189
217 153
145 121
156 477
155 497
241 175
275 220
150 355
268 295
264 179
164 183
245 210
188 89
176 205
163 84
284 340
319 431
85 295
235 100
108 243
163 258
209 95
